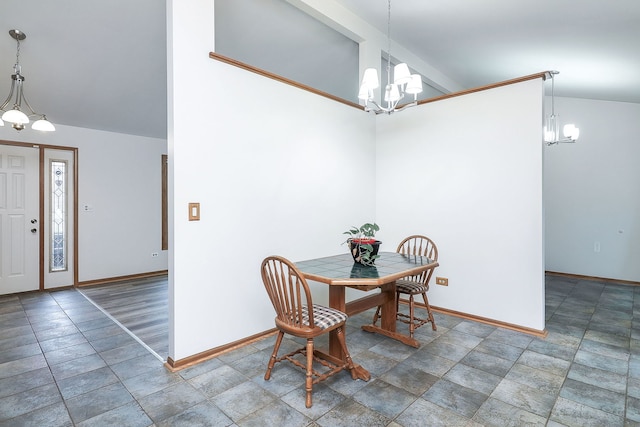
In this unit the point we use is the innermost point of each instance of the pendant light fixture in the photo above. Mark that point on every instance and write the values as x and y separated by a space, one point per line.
13 113
403 83
552 123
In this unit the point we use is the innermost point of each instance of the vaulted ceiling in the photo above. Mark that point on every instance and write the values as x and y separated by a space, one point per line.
102 65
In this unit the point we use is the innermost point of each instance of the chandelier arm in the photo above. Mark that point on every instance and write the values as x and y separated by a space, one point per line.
378 108
561 141
394 104
24 98
405 106
6 101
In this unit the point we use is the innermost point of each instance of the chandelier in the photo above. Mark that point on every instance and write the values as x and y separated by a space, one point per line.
552 123
403 83
13 113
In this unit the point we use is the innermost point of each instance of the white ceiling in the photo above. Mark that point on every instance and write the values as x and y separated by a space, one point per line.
595 44
102 65
92 64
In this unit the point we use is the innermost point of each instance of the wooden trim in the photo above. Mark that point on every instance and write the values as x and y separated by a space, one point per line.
41 198
108 280
165 202
176 365
593 278
543 75
37 145
492 322
20 144
76 221
281 79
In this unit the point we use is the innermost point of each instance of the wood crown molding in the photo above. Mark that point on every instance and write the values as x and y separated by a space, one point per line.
281 79
542 75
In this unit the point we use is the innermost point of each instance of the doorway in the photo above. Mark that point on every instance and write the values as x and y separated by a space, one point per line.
19 224
38 214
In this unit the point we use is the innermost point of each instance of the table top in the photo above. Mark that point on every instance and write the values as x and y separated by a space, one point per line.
341 270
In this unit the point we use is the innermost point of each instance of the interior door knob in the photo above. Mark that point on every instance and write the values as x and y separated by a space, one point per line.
34 230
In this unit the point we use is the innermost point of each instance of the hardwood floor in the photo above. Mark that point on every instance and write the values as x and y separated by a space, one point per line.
141 306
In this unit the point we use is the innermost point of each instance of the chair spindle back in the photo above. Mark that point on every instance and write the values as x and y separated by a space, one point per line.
418 245
288 291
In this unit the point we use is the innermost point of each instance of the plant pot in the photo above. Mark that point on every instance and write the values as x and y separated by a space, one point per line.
364 251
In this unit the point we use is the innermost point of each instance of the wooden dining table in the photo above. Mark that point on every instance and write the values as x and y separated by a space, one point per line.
341 272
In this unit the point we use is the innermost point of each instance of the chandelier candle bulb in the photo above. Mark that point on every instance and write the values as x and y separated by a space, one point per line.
370 78
414 86
401 74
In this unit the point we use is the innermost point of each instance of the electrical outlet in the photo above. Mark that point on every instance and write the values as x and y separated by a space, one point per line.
442 281
154 254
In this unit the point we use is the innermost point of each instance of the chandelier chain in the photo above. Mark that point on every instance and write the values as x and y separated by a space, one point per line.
17 66
553 106
389 42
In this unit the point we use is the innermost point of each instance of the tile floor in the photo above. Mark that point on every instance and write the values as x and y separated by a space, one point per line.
63 363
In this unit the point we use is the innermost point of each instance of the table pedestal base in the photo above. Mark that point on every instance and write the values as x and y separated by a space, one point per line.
361 373
405 339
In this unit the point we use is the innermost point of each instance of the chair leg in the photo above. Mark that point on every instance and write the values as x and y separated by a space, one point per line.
309 382
343 344
274 355
411 316
429 312
377 315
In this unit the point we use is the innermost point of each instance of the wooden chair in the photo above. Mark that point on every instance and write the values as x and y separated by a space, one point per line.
414 285
298 316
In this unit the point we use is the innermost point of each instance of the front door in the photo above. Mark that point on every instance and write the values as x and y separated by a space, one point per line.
19 224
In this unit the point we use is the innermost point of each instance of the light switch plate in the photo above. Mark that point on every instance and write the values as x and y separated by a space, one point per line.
194 211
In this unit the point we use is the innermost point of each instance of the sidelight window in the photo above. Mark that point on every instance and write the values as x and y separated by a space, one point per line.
59 234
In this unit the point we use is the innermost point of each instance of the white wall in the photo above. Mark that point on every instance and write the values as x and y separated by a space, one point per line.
467 172
272 174
592 192
119 176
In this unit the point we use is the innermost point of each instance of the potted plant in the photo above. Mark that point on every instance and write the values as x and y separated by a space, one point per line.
363 244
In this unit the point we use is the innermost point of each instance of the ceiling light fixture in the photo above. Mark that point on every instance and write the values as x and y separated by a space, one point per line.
404 83
552 123
14 114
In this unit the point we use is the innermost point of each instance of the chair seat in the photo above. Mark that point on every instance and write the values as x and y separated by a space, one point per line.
410 287
323 317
